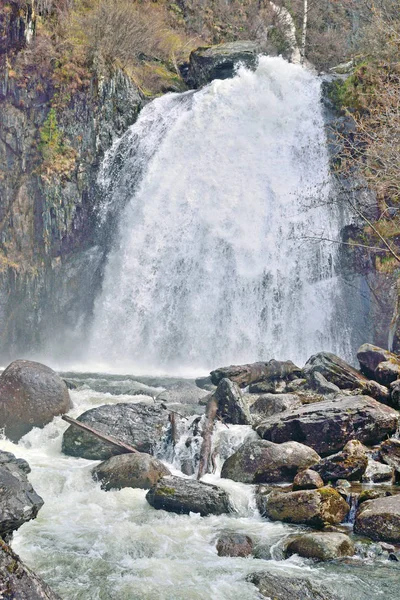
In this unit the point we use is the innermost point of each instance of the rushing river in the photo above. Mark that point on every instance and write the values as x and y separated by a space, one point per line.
89 544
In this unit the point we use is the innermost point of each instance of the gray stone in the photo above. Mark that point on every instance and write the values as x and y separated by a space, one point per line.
328 425
183 496
244 375
335 370
141 425
389 451
387 372
17 582
377 391
321 546
31 395
232 406
370 356
270 404
376 472
234 544
379 519
348 464
273 386
130 470
266 462
318 382
289 587
307 480
182 392
395 394
309 507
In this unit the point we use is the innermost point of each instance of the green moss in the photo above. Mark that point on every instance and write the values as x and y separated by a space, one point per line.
166 491
327 492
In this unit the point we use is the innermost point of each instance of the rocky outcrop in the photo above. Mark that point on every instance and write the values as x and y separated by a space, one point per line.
389 452
234 544
328 425
31 395
349 464
321 546
307 480
220 62
285 587
129 470
266 462
232 406
387 372
370 356
140 425
18 582
377 472
244 375
19 502
380 519
184 496
309 507
335 370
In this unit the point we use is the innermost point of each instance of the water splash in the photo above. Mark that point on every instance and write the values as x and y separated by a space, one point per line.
210 265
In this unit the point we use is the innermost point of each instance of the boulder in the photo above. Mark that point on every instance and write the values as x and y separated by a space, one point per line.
182 392
370 356
31 395
289 587
387 372
244 375
376 472
234 544
307 480
129 470
379 519
321 546
348 464
141 425
184 496
309 507
328 425
270 404
395 394
274 386
220 62
389 451
18 582
320 384
265 462
335 370
205 383
19 502
296 385
232 406
377 391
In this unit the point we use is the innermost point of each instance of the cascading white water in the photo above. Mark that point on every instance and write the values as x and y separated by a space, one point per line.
211 265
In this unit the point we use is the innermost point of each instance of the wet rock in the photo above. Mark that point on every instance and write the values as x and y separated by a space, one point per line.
335 370
372 494
270 404
308 507
377 391
141 425
379 519
296 385
320 384
275 386
349 464
289 587
234 544
183 496
307 480
232 406
129 470
31 395
395 394
182 392
389 451
370 356
219 62
387 372
376 472
244 375
17 582
328 425
321 546
19 502
205 383
265 462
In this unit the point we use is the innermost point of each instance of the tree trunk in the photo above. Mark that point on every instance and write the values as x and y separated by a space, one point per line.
124 448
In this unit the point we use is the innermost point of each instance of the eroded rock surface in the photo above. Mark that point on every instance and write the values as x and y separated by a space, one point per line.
130 470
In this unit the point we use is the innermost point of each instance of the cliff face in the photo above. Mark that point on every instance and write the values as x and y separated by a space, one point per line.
50 245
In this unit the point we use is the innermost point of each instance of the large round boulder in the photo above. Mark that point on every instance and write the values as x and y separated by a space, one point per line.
309 507
328 425
31 395
349 464
137 470
19 502
184 496
140 425
321 546
234 544
261 461
307 480
380 519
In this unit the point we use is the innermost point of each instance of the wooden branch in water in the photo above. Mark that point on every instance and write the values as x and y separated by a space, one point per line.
205 451
109 439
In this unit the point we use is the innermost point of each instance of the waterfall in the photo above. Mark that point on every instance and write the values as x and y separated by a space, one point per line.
217 191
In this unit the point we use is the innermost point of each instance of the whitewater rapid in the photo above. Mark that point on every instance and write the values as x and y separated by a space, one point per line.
218 193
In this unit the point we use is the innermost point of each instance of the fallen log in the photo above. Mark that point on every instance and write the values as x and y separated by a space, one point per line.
205 450
244 375
109 439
